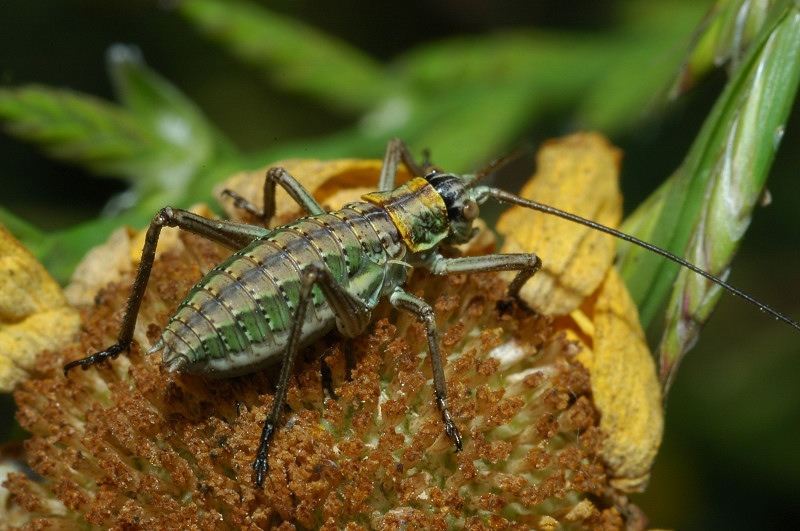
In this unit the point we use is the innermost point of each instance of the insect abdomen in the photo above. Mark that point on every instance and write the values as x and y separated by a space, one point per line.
237 319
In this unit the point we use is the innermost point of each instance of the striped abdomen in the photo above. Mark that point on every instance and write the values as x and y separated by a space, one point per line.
237 319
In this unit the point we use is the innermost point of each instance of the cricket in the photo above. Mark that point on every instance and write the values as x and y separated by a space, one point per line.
283 288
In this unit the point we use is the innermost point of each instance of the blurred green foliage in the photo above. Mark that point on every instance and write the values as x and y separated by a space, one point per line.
468 82
469 98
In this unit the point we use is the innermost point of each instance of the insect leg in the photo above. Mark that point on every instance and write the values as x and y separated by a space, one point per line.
526 264
296 190
352 317
405 301
397 151
228 233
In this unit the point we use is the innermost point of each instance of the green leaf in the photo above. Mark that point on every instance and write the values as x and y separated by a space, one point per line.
186 141
708 202
76 128
638 61
470 99
292 54
161 144
158 145
723 37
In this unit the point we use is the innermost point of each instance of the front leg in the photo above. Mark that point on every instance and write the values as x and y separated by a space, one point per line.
410 303
526 264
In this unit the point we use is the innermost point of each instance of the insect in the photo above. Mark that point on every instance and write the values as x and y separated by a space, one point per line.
283 288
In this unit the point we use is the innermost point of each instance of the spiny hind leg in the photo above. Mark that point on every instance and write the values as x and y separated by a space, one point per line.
228 233
410 303
352 317
292 186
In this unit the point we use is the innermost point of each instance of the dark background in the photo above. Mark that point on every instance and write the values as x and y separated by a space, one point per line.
729 457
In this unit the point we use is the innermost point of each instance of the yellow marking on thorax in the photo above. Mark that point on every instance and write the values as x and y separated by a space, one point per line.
417 210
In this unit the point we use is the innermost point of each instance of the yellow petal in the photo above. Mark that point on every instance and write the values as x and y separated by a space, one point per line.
34 314
624 386
578 174
102 265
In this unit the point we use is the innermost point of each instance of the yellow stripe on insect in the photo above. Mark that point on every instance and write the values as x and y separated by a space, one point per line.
421 229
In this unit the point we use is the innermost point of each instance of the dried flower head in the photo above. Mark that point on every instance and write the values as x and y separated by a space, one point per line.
127 445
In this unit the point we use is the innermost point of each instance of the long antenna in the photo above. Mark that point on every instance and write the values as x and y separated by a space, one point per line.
500 195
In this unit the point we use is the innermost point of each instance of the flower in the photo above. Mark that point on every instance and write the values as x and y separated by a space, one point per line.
125 444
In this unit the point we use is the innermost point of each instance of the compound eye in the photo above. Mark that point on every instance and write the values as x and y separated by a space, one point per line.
470 210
